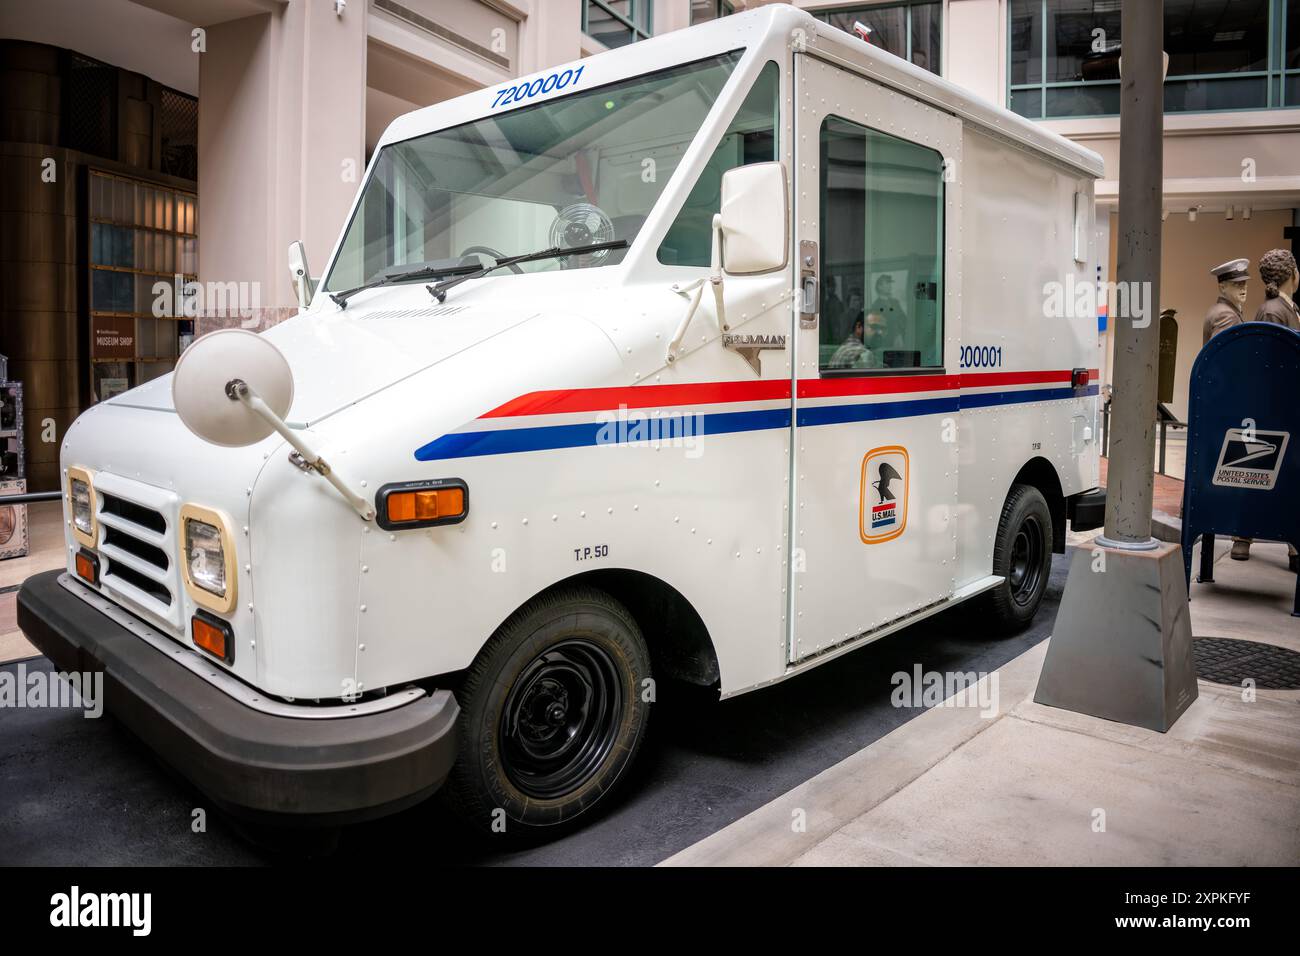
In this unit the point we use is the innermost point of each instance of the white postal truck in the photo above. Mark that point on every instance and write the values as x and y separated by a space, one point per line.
710 358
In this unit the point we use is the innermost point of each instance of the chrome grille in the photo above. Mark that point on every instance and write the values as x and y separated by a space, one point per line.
138 515
137 542
133 542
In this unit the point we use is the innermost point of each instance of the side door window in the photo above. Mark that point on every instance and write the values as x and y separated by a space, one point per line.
882 207
750 138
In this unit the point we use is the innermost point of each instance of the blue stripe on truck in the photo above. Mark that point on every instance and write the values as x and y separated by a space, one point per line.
509 441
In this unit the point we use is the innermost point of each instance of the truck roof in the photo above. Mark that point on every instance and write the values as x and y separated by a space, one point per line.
763 29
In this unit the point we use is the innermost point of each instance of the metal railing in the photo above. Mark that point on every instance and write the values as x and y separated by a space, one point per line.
1164 419
1164 426
30 497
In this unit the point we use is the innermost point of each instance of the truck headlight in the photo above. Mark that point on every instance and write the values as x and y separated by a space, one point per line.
82 517
208 561
81 507
206 555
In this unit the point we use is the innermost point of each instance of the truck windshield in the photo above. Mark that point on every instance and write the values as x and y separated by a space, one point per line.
584 168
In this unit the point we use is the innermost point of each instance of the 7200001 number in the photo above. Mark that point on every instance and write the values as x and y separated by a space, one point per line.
524 91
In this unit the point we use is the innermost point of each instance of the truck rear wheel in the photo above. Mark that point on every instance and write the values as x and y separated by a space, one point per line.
1022 555
553 712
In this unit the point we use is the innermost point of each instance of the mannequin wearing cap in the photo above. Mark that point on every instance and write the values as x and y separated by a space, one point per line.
1277 268
1224 314
1227 311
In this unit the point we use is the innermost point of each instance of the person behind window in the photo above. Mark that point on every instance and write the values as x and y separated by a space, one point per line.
832 310
875 339
851 316
854 306
850 350
891 309
865 346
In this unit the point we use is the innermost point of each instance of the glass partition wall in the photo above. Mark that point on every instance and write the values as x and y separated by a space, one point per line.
143 248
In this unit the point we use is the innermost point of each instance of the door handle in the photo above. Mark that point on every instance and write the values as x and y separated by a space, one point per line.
809 296
809 300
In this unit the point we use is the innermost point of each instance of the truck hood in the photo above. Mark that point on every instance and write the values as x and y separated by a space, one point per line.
340 357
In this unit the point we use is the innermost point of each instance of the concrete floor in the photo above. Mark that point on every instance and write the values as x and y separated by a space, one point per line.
1038 786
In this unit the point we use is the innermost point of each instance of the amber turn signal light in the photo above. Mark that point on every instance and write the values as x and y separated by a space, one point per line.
422 504
213 636
404 506
87 565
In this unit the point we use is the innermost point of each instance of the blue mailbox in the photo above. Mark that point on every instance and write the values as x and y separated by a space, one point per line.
1243 469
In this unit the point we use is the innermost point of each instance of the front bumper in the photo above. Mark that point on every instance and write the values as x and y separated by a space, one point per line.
259 766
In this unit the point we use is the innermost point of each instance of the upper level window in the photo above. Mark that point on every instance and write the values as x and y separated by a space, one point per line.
704 10
1223 55
617 22
882 250
912 30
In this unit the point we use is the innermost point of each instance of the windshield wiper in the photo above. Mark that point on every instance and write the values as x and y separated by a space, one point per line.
439 291
427 271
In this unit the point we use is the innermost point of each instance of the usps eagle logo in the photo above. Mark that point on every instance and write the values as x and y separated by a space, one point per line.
1250 458
885 484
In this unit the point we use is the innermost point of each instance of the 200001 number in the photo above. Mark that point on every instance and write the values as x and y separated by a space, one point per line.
524 91
981 356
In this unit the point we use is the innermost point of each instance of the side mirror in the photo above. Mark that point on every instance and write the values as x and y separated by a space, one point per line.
299 274
755 219
233 388
202 392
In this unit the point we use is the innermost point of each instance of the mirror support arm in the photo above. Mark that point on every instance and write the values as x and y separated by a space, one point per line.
714 279
303 287
715 273
238 390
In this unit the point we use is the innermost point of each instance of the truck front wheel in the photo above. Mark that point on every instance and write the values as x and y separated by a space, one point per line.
1022 555
554 709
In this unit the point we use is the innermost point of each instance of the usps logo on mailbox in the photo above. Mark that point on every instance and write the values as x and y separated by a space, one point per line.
882 509
1250 458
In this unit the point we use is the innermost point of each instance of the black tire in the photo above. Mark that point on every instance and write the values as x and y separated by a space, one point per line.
1022 555
553 711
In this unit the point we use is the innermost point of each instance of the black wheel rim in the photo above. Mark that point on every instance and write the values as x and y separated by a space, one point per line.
1025 574
561 719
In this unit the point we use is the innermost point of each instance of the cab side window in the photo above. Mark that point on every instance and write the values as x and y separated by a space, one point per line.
751 138
881 251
